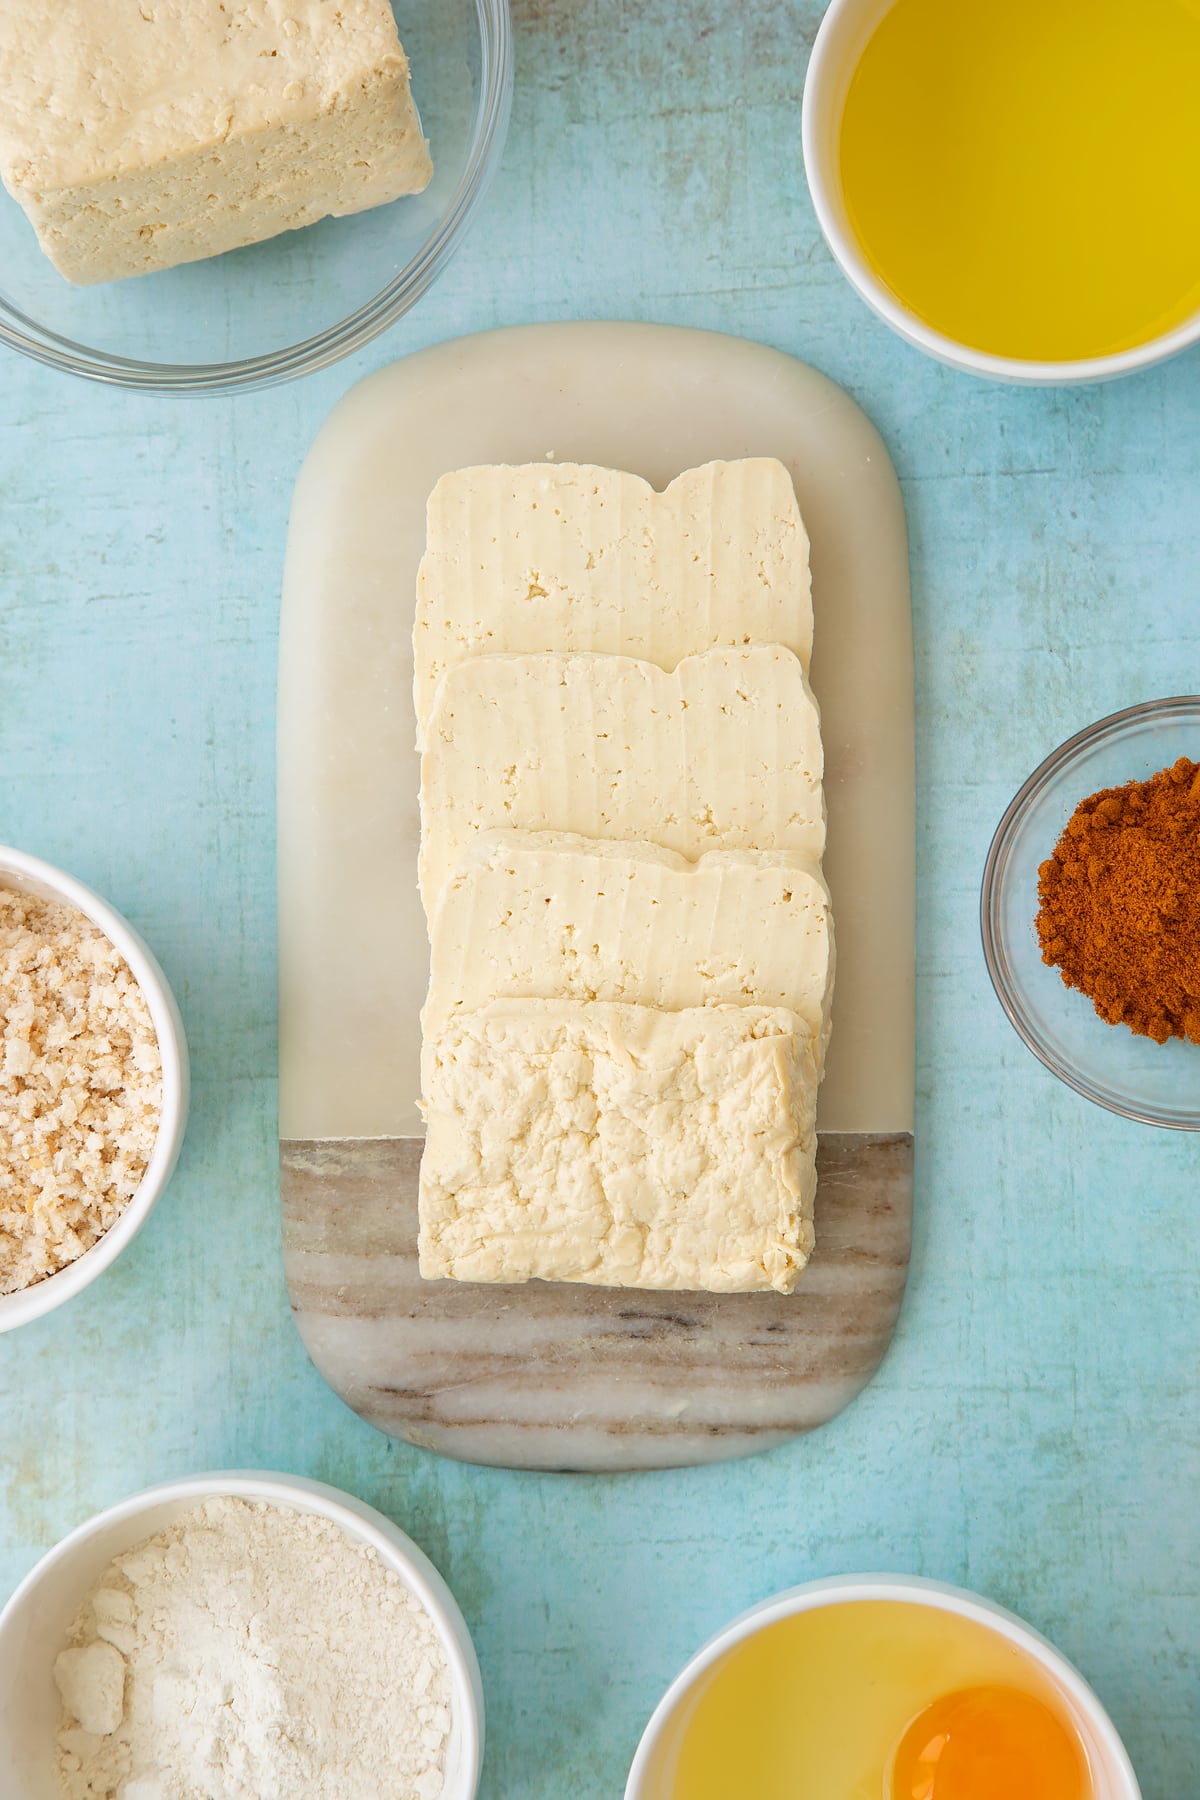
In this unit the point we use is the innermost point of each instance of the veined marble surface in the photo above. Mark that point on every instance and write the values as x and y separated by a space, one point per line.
560 1375
1034 1431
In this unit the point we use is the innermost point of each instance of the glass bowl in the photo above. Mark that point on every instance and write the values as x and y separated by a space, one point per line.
303 300
1157 1084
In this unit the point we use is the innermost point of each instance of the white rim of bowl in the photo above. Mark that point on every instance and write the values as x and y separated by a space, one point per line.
994 954
821 108
356 1519
349 334
43 878
918 1590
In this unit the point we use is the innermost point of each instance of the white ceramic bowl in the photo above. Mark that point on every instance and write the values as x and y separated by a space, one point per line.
29 875
839 44
34 1624
650 1777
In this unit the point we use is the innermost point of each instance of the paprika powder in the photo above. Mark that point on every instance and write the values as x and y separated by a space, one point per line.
1119 903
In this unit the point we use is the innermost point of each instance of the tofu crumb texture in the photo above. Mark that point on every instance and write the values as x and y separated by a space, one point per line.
620 1145
139 134
80 1087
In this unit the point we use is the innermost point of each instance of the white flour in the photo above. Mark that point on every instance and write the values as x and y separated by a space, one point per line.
252 1653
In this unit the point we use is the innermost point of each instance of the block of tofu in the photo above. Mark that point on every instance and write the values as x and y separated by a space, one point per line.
619 1145
723 753
564 556
554 916
142 133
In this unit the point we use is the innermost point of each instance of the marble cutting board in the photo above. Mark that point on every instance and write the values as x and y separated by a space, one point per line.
559 1376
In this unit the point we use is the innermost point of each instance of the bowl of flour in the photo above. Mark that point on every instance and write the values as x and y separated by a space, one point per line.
238 1637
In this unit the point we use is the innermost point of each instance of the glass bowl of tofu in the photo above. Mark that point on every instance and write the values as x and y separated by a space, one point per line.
208 199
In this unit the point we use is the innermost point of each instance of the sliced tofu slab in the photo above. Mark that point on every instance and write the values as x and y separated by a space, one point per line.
565 556
619 1145
723 753
552 916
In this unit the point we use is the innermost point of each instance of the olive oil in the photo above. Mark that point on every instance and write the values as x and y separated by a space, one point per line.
1024 175
816 1707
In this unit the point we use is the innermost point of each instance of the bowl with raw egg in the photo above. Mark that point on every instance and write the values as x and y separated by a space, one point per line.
880 1685
1014 189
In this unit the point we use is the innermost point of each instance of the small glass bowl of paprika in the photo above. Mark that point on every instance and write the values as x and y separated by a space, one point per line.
1117 908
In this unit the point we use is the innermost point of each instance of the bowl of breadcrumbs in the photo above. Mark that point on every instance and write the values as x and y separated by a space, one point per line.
93 1086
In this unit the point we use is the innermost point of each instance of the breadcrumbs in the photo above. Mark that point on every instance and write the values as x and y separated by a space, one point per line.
80 1087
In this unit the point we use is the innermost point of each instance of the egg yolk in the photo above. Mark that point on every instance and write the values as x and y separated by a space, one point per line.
988 1743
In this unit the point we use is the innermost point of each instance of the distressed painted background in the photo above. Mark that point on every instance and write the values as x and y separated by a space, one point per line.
1035 1431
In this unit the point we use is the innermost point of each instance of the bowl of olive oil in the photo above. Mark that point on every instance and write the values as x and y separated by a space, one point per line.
1015 189
878 1687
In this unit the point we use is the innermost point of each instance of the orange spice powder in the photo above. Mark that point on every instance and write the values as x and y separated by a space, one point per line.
1119 903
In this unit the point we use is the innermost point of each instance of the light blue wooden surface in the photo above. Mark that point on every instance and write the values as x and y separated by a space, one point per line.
1034 1433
